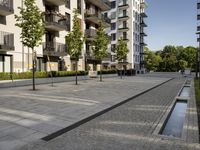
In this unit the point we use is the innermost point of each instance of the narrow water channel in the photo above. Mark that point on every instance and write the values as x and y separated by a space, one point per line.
185 91
174 125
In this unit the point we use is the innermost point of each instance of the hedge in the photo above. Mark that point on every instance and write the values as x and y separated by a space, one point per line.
111 71
28 75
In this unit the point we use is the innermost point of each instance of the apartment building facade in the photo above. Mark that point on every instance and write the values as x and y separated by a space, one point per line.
128 22
51 54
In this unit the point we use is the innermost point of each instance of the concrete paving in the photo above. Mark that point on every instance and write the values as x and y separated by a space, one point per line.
27 116
129 126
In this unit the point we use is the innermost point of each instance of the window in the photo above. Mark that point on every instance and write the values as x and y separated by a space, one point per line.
113 48
68 20
113 26
125 36
113 4
67 4
113 37
79 6
113 58
5 63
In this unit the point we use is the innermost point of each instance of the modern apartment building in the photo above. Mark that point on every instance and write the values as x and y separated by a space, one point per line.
93 17
127 21
57 15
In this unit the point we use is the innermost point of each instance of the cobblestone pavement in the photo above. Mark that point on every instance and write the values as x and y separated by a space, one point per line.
127 127
27 116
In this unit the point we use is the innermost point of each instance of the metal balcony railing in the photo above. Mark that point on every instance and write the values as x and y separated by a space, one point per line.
7 3
6 40
54 47
90 33
55 18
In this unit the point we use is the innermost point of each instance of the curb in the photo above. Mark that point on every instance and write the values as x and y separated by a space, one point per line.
89 118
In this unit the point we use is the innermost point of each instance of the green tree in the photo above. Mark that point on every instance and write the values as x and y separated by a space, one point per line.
75 40
31 23
152 60
100 43
121 52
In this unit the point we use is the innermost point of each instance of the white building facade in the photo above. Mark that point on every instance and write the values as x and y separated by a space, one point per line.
51 54
127 21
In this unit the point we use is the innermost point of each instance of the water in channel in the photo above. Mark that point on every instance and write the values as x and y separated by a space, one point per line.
174 125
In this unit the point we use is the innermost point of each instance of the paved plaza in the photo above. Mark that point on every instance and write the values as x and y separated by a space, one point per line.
26 116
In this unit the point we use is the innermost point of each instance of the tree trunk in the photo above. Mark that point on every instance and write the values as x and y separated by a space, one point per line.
76 73
121 72
101 72
33 68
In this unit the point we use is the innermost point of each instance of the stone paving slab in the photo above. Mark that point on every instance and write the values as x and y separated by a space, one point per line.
30 115
127 127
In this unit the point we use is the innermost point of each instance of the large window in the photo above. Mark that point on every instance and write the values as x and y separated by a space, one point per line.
5 63
113 36
67 4
113 26
79 6
68 20
113 4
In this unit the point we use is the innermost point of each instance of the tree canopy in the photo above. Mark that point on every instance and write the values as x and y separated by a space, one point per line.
171 58
31 23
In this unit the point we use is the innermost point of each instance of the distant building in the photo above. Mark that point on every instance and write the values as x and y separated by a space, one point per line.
127 21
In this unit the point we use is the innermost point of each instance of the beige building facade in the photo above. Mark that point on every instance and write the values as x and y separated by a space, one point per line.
51 54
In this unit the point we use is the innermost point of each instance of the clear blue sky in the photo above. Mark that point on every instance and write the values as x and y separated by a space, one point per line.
171 22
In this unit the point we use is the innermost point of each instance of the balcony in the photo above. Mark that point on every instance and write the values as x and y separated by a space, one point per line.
198 30
6 7
54 49
123 5
107 21
56 2
142 43
143 4
90 34
54 21
6 41
198 5
104 5
92 16
123 29
143 14
142 33
143 24
123 18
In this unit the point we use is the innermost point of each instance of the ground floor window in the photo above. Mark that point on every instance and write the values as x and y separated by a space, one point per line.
41 64
5 63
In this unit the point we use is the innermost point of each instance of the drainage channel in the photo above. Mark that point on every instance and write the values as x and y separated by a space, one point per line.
176 120
173 126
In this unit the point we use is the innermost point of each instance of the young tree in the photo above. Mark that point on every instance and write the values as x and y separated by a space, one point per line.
31 23
100 43
75 40
121 52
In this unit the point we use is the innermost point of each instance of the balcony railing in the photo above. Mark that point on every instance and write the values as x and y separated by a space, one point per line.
123 17
123 4
6 7
56 2
55 21
6 41
90 33
104 5
54 48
